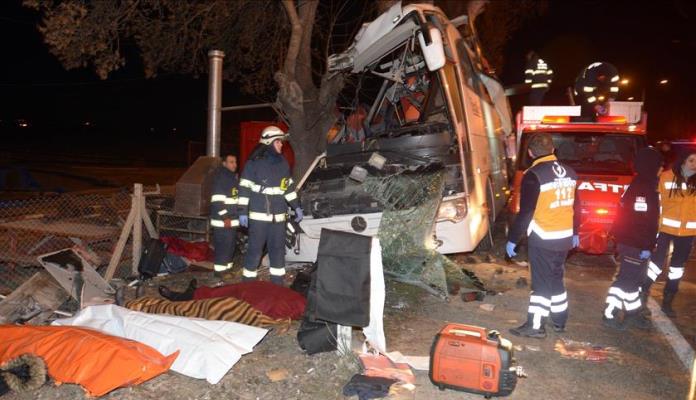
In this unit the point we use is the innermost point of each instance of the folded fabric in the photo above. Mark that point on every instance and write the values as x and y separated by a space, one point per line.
275 301
367 387
208 349
221 309
194 251
379 365
98 362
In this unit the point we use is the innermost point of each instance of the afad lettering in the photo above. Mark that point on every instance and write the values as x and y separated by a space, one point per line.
602 187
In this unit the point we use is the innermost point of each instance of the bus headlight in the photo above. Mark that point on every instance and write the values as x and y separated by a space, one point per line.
454 210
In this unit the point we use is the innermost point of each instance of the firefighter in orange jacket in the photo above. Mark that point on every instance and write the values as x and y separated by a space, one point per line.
547 198
677 227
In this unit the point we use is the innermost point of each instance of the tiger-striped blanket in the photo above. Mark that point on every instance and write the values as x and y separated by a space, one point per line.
221 308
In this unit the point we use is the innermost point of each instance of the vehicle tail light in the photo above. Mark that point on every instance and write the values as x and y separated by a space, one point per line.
555 119
602 211
611 119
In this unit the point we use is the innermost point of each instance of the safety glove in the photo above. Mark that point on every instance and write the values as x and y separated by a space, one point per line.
299 215
510 249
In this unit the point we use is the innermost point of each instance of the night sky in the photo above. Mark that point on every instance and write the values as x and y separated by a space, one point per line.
74 111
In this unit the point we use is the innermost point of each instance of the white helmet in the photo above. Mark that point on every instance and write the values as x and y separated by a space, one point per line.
271 133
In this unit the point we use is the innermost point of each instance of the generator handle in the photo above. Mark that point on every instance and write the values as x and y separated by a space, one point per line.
458 330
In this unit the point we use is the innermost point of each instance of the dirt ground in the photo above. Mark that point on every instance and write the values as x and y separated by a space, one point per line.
647 369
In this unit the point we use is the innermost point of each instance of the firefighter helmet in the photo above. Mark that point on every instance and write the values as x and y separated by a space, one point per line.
271 133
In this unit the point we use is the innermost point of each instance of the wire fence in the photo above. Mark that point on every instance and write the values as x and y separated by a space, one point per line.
33 227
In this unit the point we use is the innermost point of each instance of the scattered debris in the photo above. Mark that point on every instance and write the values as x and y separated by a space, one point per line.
586 351
473 296
532 348
399 305
487 307
499 270
453 288
276 375
471 260
474 279
521 282
35 300
518 347
520 372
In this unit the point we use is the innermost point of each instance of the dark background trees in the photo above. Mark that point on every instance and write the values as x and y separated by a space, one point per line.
275 49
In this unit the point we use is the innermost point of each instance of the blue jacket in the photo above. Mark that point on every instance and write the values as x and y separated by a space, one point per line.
266 187
224 197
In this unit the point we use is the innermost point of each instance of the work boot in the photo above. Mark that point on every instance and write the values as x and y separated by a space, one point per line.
667 299
637 320
613 323
526 330
178 296
558 328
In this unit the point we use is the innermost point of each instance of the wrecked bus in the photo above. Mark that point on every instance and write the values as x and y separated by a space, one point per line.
418 100
601 152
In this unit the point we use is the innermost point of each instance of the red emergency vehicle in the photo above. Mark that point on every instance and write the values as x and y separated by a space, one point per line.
249 135
601 151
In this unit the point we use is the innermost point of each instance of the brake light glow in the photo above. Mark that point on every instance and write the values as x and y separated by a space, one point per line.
555 119
602 211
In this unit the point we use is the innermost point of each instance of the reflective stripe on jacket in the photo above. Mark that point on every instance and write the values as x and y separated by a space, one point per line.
266 189
223 198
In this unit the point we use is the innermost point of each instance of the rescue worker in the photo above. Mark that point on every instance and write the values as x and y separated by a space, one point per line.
677 227
538 76
634 231
547 197
223 212
266 189
595 87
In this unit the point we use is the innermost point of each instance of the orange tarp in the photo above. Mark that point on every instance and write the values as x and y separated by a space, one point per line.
98 362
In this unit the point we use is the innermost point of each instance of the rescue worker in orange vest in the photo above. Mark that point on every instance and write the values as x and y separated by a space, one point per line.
677 226
546 213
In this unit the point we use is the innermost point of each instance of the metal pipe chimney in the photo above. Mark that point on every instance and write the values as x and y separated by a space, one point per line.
214 102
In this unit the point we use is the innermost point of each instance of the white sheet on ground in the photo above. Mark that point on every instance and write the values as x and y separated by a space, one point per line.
374 332
208 349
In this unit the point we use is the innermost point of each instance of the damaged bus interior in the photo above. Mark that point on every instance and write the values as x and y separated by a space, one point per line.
413 105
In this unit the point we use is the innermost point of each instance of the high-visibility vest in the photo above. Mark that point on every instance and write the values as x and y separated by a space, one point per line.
678 211
553 215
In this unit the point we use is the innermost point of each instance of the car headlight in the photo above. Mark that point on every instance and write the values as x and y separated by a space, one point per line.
454 210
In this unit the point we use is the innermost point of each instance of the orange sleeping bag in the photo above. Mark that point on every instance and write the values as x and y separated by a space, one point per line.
98 362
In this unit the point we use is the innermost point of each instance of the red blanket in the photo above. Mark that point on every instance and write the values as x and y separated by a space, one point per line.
194 251
273 300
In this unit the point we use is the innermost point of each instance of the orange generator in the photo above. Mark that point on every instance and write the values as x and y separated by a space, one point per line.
471 359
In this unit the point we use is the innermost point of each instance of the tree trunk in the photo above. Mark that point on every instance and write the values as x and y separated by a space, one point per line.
309 110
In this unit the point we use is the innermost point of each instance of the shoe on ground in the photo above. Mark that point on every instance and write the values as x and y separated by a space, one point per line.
558 328
613 323
639 321
526 330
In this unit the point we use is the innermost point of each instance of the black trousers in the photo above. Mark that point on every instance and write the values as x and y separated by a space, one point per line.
680 255
536 96
272 235
224 240
624 292
548 297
